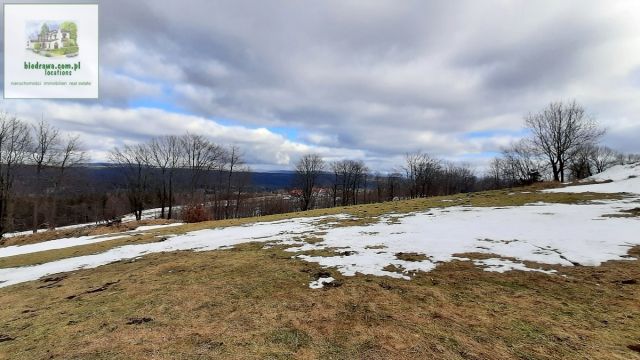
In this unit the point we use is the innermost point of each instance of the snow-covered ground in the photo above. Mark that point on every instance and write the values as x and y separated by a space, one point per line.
74 241
560 234
146 215
618 179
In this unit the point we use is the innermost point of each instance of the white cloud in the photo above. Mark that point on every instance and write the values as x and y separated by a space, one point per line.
360 79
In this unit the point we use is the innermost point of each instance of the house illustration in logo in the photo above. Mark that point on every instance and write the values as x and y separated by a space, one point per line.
54 39
51 40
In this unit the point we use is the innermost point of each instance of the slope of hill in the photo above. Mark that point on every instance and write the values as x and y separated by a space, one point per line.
502 274
618 179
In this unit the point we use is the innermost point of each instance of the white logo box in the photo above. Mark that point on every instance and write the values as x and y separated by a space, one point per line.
51 51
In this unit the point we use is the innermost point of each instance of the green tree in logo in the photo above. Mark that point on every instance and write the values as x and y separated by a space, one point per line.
44 30
71 27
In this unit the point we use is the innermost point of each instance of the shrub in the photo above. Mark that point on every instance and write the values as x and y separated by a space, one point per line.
70 50
195 213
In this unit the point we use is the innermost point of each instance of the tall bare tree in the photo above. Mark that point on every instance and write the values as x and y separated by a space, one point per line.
70 154
45 150
166 154
233 160
308 171
559 130
420 170
349 176
15 144
200 157
134 162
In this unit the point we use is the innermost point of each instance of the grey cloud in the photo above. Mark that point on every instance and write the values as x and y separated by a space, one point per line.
375 79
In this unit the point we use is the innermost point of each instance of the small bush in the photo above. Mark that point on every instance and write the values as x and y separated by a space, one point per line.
195 213
70 50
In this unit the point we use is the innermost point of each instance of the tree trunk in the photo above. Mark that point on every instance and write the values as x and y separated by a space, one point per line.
36 202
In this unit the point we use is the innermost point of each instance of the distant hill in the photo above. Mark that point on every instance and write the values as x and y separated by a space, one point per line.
267 180
263 180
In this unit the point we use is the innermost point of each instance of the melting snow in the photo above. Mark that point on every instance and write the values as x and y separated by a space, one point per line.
154 227
74 241
623 179
562 234
55 244
545 233
319 284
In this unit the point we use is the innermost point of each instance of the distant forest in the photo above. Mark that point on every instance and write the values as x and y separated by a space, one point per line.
47 181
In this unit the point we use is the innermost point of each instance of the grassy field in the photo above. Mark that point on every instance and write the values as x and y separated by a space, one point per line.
252 302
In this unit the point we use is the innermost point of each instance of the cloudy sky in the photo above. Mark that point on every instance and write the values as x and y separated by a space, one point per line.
369 80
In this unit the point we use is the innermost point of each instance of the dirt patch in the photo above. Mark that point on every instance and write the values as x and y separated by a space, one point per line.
5 337
52 281
411 256
138 320
94 290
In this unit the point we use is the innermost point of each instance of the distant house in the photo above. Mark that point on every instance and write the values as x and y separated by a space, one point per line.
49 41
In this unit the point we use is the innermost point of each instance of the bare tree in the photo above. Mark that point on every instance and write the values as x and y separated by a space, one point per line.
420 171
243 181
234 159
558 130
519 164
15 144
393 183
349 176
133 161
494 172
70 154
602 158
456 178
43 155
580 162
165 156
308 171
200 157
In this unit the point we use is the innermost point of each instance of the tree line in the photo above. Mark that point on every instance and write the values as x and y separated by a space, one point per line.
563 144
44 182
202 174
48 153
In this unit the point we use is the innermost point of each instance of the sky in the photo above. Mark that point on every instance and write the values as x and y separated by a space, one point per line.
369 80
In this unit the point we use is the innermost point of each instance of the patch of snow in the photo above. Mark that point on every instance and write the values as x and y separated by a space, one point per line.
502 265
617 173
29 232
154 227
319 284
563 234
620 179
146 215
55 244
631 186
74 241
200 240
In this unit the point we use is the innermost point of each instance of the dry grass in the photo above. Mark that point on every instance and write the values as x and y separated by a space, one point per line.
84 231
254 303
362 215
250 302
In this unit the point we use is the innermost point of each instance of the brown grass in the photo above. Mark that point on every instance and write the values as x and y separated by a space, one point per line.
254 303
250 302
